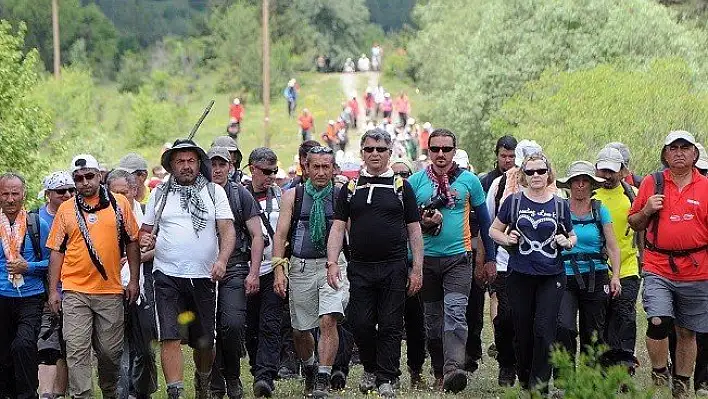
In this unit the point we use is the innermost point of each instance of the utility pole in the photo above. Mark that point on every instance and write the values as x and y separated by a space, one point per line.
55 34
266 76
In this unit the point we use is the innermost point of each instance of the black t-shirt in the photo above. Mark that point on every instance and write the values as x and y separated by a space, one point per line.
249 209
378 229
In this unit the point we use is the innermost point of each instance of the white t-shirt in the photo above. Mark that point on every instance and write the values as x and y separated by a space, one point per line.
125 268
266 265
179 250
502 255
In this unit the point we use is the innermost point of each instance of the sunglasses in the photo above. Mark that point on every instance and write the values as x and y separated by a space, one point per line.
369 150
435 149
404 175
81 178
62 191
531 172
268 172
320 150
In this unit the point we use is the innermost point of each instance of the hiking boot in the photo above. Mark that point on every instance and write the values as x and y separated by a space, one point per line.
338 381
290 369
680 389
321 389
702 391
309 374
355 356
507 377
386 390
202 388
367 383
262 389
492 351
454 381
234 390
175 393
661 379
417 381
471 365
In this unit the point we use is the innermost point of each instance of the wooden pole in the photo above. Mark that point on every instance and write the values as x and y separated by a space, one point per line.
266 76
55 34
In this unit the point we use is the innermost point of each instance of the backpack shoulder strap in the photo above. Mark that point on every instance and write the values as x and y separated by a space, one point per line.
658 189
351 188
297 209
559 205
500 192
33 228
515 208
628 191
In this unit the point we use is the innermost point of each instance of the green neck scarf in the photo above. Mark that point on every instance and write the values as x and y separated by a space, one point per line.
318 219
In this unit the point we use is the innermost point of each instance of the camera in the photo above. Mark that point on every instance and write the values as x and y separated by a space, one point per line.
436 202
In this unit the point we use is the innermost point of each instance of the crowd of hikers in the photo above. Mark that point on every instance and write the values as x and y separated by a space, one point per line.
303 272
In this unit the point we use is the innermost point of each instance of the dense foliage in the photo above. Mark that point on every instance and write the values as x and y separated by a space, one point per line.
499 46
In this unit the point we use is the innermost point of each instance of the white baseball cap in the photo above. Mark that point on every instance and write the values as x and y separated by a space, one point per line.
679 135
609 158
524 149
83 161
461 158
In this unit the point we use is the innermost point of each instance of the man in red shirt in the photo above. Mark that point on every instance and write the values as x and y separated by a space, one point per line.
306 123
236 110
675 259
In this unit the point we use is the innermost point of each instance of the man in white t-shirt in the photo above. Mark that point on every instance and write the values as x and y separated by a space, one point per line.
181 222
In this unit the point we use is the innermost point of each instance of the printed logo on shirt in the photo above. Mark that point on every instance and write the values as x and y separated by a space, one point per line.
693 202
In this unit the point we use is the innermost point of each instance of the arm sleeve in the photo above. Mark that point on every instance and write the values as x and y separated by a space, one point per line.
410 207
149 218
605 217
39 266
485 223
249 207
341 209
221 204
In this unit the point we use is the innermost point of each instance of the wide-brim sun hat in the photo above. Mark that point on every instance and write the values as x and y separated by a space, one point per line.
182 144
580 168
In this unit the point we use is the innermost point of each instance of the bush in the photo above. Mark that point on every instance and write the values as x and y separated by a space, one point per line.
154 121
574 114
396 66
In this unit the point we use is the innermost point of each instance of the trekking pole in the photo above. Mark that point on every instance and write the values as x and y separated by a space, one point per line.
201 119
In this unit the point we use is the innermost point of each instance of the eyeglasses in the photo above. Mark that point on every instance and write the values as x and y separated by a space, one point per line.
267 171
369 150
445 149
81 178
62 191
404 175
531 172
320 150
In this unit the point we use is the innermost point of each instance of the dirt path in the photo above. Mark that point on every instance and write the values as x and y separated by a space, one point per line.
353 83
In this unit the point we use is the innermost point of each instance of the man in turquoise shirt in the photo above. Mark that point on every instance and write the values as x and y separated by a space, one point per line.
447 195
23 268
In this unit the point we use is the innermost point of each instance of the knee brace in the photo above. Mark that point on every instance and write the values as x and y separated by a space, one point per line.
48 357
661 329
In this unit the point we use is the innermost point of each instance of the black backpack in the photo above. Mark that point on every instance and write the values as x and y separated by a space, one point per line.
33 230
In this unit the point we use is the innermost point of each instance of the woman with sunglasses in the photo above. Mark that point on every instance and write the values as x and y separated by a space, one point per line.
534 225
589 285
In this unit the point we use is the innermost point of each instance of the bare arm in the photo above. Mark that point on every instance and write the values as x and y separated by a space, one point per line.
132 252
284 220
640 220
415 240
227 239
497 232
56 259
335 240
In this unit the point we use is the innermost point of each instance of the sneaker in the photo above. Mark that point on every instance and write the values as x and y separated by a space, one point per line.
417 381
338 381
386 390
661 379
492 351
507 377
680 389
175 393
454 381
321 389
309 374
262 389
367 383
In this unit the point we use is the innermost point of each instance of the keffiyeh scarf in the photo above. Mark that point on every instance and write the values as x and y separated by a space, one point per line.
191 201
12 236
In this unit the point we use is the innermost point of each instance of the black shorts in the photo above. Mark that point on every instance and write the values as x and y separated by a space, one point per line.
185 309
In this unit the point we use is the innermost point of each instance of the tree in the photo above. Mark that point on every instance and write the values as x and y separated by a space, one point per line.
502 45
574 114
23 124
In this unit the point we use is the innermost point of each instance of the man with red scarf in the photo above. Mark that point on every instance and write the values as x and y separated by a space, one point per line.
447 194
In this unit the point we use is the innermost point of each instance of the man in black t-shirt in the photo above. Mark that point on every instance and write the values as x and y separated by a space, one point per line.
383 217
504 151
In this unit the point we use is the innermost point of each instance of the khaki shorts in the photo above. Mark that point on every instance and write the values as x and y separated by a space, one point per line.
311 296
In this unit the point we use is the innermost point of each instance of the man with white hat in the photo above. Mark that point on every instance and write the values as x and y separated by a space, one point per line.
88 239
182 220
627 175
617 195
672 206
137 166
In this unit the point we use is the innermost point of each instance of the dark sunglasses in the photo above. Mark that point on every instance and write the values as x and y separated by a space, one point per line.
404 175
62 191
320 150
87 176
369 150
531 172
436 149
268 172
